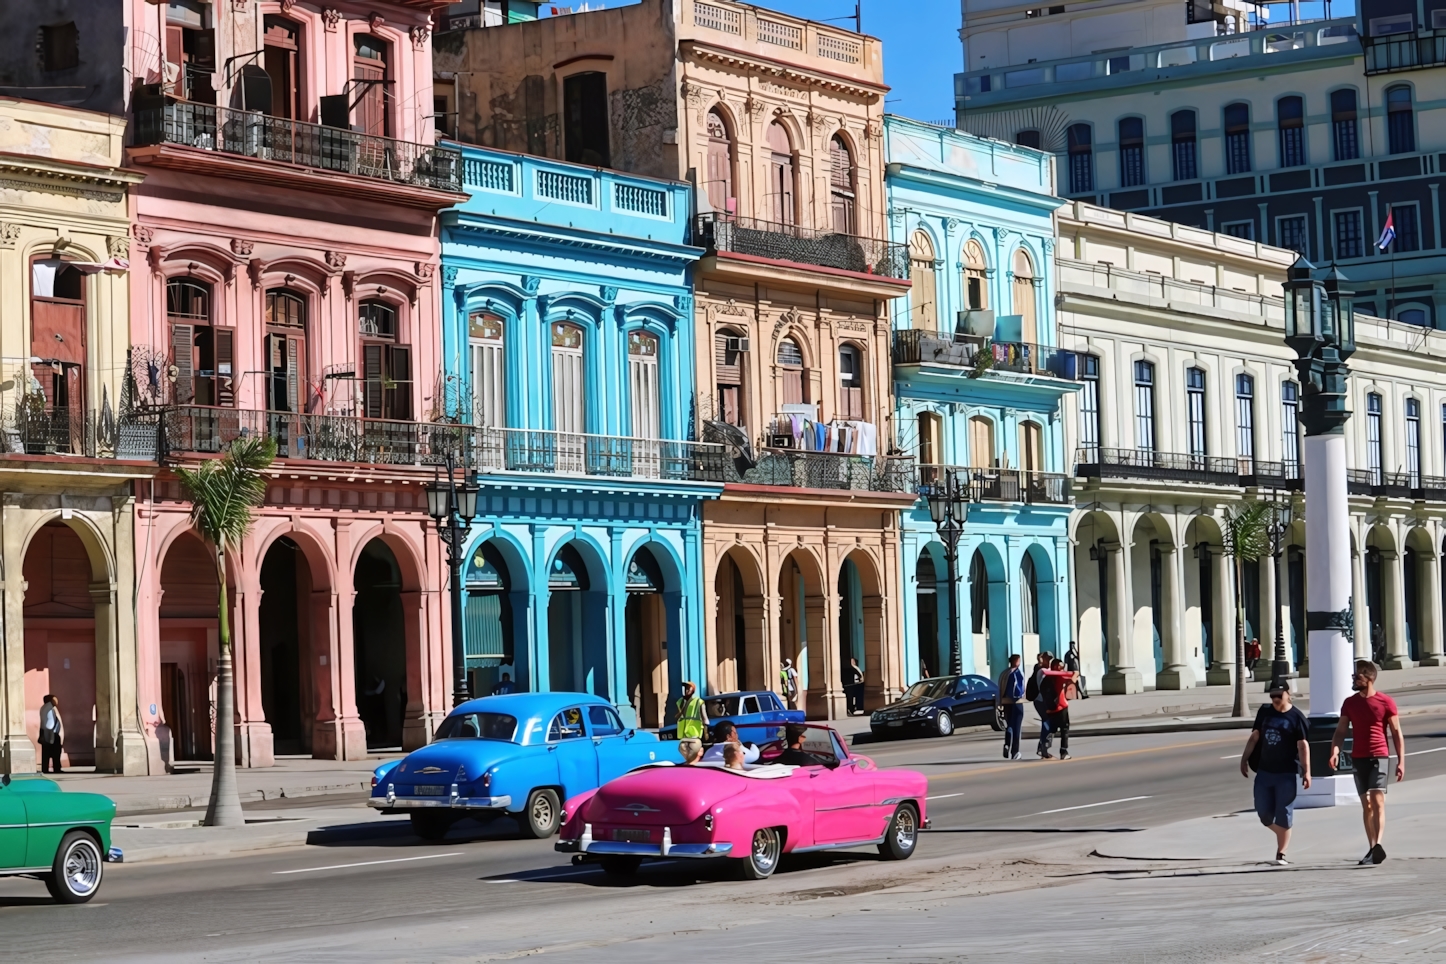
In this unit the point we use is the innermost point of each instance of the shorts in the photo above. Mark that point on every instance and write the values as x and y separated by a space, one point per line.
1275 798
1370 773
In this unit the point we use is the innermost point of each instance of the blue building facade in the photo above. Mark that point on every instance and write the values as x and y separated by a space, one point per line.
568 345
979 385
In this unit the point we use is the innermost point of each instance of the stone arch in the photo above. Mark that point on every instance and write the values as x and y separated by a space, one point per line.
577 661
388 632
1421 593
861 628
1092 533
187 635
802 629
1151 543
1045 589
652 652
741 616
498 609
1208 613
986 631
933 602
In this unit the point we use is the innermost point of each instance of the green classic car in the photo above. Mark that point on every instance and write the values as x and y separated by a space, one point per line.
60 838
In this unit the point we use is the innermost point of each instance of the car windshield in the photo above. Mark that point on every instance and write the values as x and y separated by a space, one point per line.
929 689
478 726
801 744
722 706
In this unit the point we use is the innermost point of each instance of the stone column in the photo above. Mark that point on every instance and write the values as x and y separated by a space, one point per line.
1360 611
1177 674
1428 581
1269 618
1393 591
1222 667
1122 677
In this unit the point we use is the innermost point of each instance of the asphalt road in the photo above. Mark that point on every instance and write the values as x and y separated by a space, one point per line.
481 896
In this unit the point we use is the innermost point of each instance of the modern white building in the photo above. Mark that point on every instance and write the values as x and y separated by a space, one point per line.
1189 406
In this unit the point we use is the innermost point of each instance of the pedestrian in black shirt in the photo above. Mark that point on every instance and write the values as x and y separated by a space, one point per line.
1278 751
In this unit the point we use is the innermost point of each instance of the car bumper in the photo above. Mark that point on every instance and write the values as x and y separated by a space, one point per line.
885 727
442 803
115 856
620 848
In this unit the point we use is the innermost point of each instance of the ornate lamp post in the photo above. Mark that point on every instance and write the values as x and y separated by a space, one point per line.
948 507
1279 533
1320 327
453 506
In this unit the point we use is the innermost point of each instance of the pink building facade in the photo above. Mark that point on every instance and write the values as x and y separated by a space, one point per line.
284 252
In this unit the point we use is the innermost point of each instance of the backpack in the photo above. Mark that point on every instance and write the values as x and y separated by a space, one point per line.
1031 689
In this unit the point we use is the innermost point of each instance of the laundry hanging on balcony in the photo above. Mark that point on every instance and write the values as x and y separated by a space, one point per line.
42 273
844 436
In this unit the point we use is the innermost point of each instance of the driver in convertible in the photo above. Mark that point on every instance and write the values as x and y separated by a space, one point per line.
795 754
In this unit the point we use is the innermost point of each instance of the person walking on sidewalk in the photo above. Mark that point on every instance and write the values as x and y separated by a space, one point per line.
1071 663
51 734
853 678
1368 714
788 679
1278 750
1011 698
1054 689
1034 692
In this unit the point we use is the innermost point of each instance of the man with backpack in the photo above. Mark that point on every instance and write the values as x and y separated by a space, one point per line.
1011 696
1033 694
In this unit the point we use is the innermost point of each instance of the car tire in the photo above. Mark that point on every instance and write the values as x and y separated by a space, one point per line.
76 872
944 724
902 836
764 853
996 719
619 865
430 825
542 815
881 735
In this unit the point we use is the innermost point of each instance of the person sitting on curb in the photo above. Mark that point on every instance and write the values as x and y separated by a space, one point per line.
1278 749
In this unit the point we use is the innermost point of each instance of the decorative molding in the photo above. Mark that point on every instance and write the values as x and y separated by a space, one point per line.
241 6
255 269
348 283
449 275
609 293
286 6
142 233
9 233
330 16
754 106
684 304
530 284
335 260
425 270
118 247
241 247
951 225
874 130
15 184
376 20
420 33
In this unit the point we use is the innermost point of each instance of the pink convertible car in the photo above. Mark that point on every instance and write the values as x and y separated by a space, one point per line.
806 793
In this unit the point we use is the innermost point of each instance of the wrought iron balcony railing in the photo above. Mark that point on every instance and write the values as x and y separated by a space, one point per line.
35 429
789 242
342 438
917 347
254 134
1108 463
1390 485
1002 485
1394 53
828 470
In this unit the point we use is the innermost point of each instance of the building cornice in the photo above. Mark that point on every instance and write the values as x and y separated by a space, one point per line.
26 172
614 246
721 56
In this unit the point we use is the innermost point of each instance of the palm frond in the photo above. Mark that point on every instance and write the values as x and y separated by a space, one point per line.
224 492
1247 530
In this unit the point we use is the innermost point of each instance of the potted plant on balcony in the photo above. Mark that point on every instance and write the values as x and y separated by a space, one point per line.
983 362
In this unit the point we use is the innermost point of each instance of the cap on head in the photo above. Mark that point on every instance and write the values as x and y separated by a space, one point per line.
1282 687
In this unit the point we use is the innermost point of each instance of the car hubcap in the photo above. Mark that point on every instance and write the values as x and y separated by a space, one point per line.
765 850
542 811
946 725
904 830
82 868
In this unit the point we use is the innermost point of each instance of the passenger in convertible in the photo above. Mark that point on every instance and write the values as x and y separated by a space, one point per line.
795 754
725 733
733 756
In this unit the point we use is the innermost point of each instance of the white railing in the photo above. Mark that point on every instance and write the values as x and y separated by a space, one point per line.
837 48
1085 274
718 18
780 34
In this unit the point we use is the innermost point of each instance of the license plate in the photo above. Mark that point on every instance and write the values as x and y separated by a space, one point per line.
430 791
633 836
896 722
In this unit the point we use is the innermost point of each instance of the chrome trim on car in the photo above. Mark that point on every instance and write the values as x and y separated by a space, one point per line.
621 848
393 802
23 871
840 846
115 856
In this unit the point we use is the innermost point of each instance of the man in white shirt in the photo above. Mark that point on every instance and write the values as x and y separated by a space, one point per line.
724 733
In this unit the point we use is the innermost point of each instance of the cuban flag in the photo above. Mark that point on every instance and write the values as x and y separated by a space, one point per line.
1388 233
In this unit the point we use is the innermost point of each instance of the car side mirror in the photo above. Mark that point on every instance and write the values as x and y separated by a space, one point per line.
630 734
4 779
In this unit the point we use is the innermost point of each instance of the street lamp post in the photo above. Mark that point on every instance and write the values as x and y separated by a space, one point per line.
948 508
1280 521
453 506
1320 328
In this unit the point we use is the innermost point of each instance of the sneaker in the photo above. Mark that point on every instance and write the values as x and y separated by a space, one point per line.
1016 757
1064 755
1046 755
1280 861
1006 751
1368 859
1378 854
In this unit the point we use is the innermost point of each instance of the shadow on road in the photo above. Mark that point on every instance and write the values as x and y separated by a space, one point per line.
675 873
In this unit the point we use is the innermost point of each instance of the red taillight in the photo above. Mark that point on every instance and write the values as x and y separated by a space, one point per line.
374 781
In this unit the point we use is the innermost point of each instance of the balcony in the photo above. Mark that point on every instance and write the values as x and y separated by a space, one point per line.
722 233
828 470
978 356
1002 485
1395 53
1148 464
490 451
1391 485
252 134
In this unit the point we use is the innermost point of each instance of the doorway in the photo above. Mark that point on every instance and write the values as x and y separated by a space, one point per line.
59 640
282 574
926 601
379 641
645 624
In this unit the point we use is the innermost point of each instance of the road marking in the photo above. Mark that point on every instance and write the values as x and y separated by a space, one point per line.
1076 762
946 796
1086 806
1434 749
368 863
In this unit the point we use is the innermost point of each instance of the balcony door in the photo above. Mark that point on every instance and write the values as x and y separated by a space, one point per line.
792 373
851 382
569 403
981 442
282 63
923 308
285 351
370 71
57 334
721 197
841 185
489 373
1031 447
386 363
643 385
201 352
1024 298
782 176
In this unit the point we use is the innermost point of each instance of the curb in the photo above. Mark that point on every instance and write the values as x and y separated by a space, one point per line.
128 803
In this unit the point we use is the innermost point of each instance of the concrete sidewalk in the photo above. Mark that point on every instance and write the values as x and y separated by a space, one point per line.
159 838
1415 811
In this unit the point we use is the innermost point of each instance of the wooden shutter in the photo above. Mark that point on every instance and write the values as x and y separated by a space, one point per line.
225 366
372 381
175 45
727 363
182 349
792 386
398 400
293 374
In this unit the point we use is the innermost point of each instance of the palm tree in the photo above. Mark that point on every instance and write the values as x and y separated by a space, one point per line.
1247 538
223 494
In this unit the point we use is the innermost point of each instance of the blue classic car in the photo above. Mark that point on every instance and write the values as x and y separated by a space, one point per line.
757 713
522 754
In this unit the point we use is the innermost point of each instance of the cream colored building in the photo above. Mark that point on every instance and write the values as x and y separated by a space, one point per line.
66 503
1189 408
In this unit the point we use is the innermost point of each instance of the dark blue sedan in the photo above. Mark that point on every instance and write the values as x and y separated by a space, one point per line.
757 713
936 707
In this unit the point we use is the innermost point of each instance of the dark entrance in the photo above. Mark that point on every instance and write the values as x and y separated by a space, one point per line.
488 614
379 641
926 600
647 635
282 572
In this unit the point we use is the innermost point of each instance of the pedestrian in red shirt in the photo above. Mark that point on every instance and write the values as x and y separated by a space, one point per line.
1054 691
1368 714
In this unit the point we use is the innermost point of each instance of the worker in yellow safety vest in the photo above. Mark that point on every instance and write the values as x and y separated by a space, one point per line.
692 715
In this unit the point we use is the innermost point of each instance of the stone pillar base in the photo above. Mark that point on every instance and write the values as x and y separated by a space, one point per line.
1398 662
1122 682
1432 660
1262 669
1337 790
339 740
1179 677
254 745
130 757
1303 669
417 732
17 755
1220 675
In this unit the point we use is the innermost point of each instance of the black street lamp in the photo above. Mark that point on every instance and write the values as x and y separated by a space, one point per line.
453 506
1279 533
948 507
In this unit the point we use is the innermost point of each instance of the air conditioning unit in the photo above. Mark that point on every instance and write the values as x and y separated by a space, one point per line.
735 344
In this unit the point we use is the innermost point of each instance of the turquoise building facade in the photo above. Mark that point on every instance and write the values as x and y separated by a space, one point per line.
568 345
978 383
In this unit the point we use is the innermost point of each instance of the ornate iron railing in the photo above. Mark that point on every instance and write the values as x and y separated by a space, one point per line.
1001 485
502 450
828 470
1392 54
789 242
918 347
254 134
1109 463
35 429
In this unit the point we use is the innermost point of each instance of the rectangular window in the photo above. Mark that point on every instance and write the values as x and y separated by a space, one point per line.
1089 409
1290 428
1413 441
1132 152
59 47
1145 406
1349 243
489 378
1373 437
1344 132
1245 417
1182 145
1290 115
1237 139
1407 221
1195 410
1240 229
585 119
1292 232
1081 159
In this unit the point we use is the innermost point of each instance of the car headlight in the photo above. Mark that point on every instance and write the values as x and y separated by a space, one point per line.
925 710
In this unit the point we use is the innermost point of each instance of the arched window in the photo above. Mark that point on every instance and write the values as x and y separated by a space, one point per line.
790 364
851 382
643 385
386 363
1182 145
923 294
1028 138
1245 417
782 176
1132 152
1024 298
1237 138
487 341
1412 316
285 351
976 277
1345 133
1081 159
199 349
569 403
57 333
729 353
721 196
841 185
1028 596
1400 120
981 443
1290 119
1031 447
